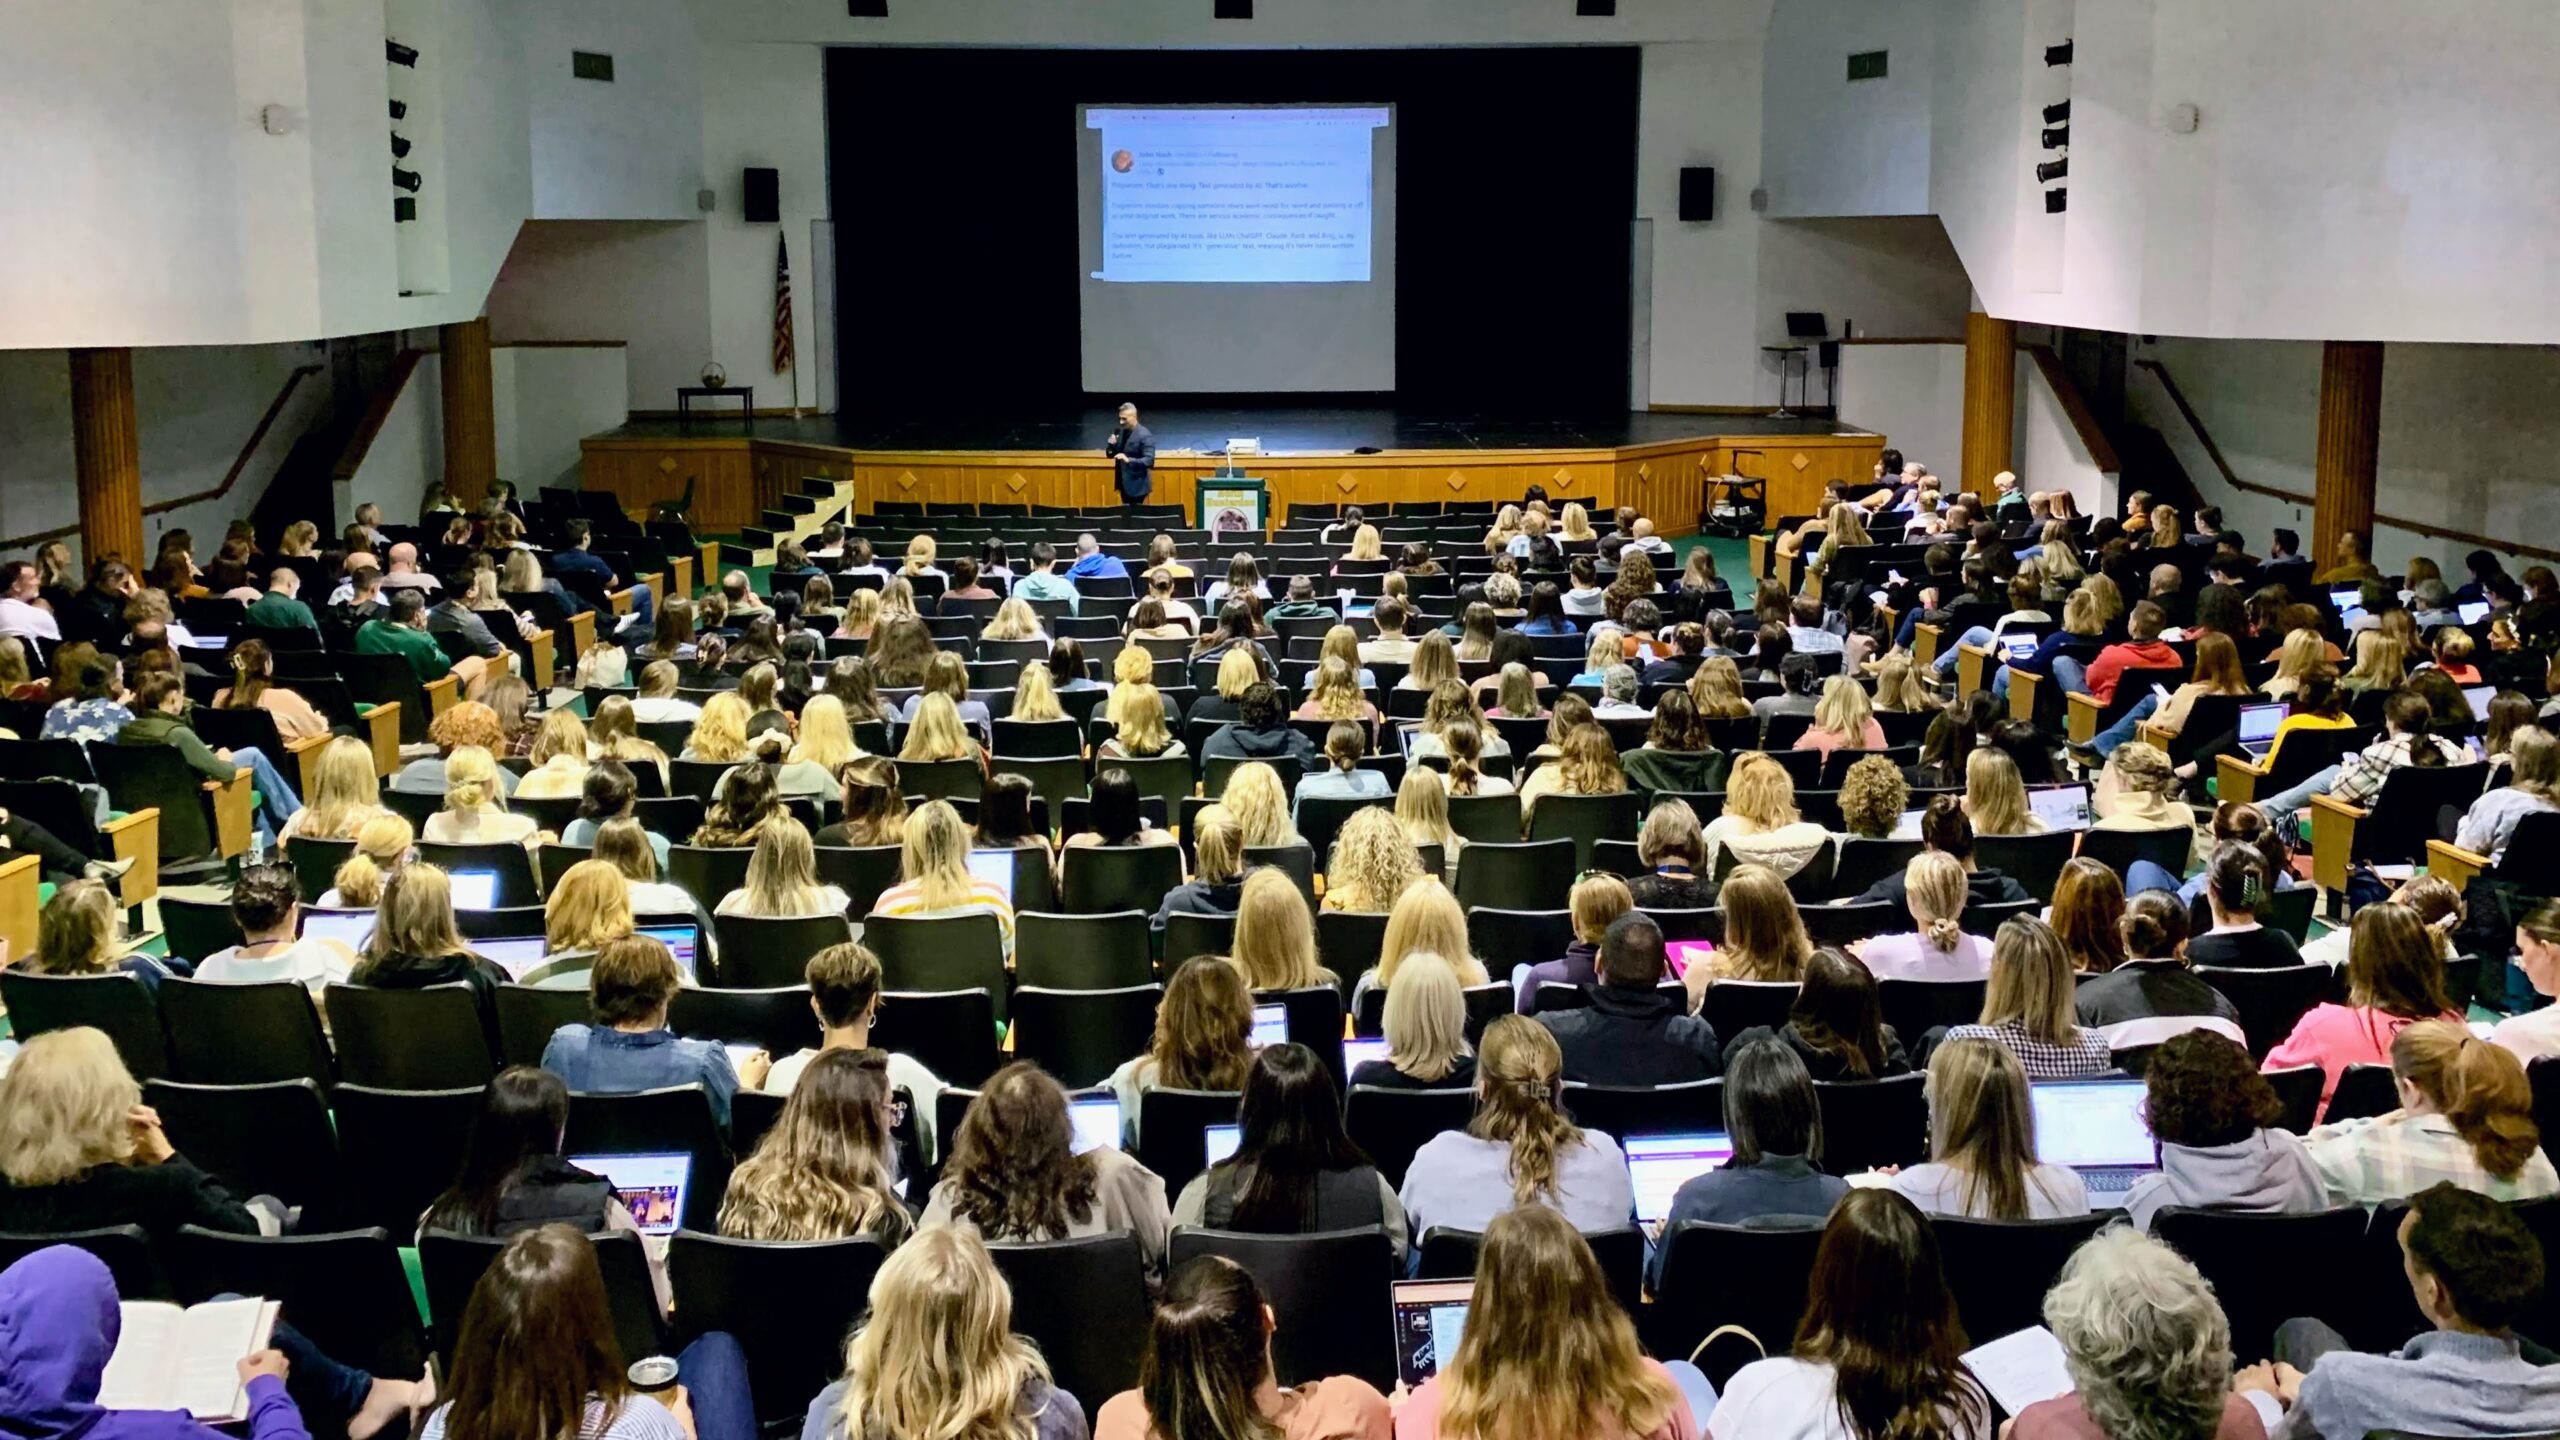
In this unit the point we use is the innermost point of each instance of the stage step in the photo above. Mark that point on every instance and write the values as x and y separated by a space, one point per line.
781 522
801 504
754 537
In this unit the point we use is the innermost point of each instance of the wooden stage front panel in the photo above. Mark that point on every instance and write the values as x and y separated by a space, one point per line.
735 478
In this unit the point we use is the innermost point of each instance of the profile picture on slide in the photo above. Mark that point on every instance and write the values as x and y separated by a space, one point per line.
1123 161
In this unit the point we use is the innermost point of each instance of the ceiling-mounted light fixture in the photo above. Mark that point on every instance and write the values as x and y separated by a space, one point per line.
2053 170
2057 200
2058 54
2057 112
2057 138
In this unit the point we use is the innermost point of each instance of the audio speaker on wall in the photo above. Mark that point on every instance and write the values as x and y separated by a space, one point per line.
1595 7
1231 10
764 195
1698 192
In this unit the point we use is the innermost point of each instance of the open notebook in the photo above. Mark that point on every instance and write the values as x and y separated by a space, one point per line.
168 1358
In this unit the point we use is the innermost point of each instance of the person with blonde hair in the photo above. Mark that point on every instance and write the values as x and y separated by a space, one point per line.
589 909
721 733
1435 663
826 738
2031 1006
1203 1038
1422 809
1014 620
2302 652
938 1355
1760 823
1716 690
82 1150
622 844
1982 1141
921 552
1764 934
416 944
1595 903
1260 806
1872 798
614 734
1372 862
1995 795
935 862
1135 709
79 932
875 809
559 758
1426 917
1463 746
1844 719
782 878
1275 944
345 794
1035 697
825 1170
935 733
475 808
2465 1116
1426 1031
382 847
1216 886
1899 689
1936 947
625 1047
1520 1149
1586 764
465 722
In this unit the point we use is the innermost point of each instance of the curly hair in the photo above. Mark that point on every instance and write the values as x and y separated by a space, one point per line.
2146 1344
1013 1171
467 723
1873 797
2205 1091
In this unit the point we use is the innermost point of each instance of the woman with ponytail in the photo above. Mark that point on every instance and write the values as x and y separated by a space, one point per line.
253 687
2236 884
2395 979
382 847
1520 1149
2466 1115
2152 996
1208 1376
475 809
1935 947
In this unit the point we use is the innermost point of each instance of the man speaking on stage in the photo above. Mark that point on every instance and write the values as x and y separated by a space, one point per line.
1132 449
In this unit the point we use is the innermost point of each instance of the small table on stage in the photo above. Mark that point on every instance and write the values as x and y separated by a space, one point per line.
1788 355
745 396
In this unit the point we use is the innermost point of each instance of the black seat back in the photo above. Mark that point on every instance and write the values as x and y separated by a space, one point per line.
346 1290
1390 1124
2000 1269
1328 1292
1081 1301
400 1149
118 1004
1869 1124
789 1303
1081 1036
451 1266
243 1034
428 1039
761 952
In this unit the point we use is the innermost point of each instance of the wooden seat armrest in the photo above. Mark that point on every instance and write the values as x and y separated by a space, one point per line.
2333 840
442 692
546 659
1762 547
2082 710
306 756
136 837
683 580
2156 734
2236 778
232 825
18 908
382 731
582 634
657 583
2025 688
621 599
2453 864
1925 640
1973 662
709 568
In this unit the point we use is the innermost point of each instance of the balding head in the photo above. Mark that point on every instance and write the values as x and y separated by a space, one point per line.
1644 530
1086 544
404 558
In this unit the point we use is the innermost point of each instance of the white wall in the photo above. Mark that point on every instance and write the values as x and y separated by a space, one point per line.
766 105
550 398
406 452
644 283
1832 147
1913 395
2049 454
2468 432
194 409
1702 107
630 149
1892 276
1189 24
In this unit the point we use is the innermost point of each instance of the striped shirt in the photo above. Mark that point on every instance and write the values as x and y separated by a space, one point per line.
2391 1157
2086 1054
906 898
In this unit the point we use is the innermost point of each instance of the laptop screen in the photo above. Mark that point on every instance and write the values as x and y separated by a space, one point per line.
2473 613
2346 598
651 1187
516 954
352 926
2258 723
1430 1315
995 867
1660 1164
475 889
2480 696
1221 1141
1270 1025
2061 807
1356 1053
2017 649
679 940
2085 1123
1095 1119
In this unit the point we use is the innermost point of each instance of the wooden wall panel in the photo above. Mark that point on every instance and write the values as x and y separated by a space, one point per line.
641 473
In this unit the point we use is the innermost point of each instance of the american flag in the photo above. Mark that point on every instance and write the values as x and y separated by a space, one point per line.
782 348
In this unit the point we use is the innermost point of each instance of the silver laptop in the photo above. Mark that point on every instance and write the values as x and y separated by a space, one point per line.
2479 696
1660 1164
1270 1025
1356 1053
2097 1128
2061 807
352 927
1222 1141
1430 1316
2258 729
1095 1121
651 1187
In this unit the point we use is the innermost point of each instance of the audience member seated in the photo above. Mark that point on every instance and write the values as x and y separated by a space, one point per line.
2088 915
2535 1034
1760 823
2029 1007
1944 827
1519 1149
782 878
559 756
160 704
536 1355
2146 1347
415 944
1596 902
253 687
1845 719
1425 1026
345 794
1340 776
1835 1025
79 932
589 909
2465 1116
1586 763
742 804
1775 1123
1880 1351
1937 948
1677 753
1673 850
2152 995
1117 817
383 845
938 1351
1426 917
1372 862
825 1169
1633 1033
1216 886
2395 978
626 1047
466 722
1764 934
2532 788
1295 1171
1982 1142
475 807
1203 1039
266 905
1275 943
2236 884
1208 1373
935 860
81 1150
875 812
2475 1269
2215 1118
1013 1174
1260 731
844 993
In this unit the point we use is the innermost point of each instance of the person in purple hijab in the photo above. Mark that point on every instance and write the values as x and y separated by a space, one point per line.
58 1325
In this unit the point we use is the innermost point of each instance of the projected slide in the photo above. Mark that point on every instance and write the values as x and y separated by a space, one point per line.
1277 196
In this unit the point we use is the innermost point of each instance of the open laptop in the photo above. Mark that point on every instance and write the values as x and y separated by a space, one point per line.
2097 1128
1660 1164
2473 613
1429 1317
680 941
1221 1141
2346 598
2017 648
2479 697
517 955
354 927
2061 807
995 867
651 1187
1095 1120
1270 1025
474 889
2258 729
1356 1053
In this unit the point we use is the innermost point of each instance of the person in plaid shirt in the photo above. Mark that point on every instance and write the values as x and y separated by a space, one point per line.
2407 740
2030 1006
2465 1116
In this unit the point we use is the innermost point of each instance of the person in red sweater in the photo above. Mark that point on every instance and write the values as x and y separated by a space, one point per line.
2143 648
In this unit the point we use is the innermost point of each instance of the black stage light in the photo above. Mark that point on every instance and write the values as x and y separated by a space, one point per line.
2058 54
2057 137
399 109
406 179
400 54
2053 170
399 146
2057 200
403 209
2057 112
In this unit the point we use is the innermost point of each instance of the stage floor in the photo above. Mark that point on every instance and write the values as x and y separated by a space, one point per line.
1294 430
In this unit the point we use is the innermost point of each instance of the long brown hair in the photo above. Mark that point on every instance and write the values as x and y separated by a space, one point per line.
536 1344
1837 1012
1519 1072
822 1172
1879 1313
2480 1087
1208 1351
1204 1028
2088 908
2393 964
1981 1127
1014 1173
251 673
1546 1353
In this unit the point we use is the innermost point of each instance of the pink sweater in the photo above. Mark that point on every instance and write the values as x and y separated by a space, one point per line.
1420 1417
2334 1037
1827 741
